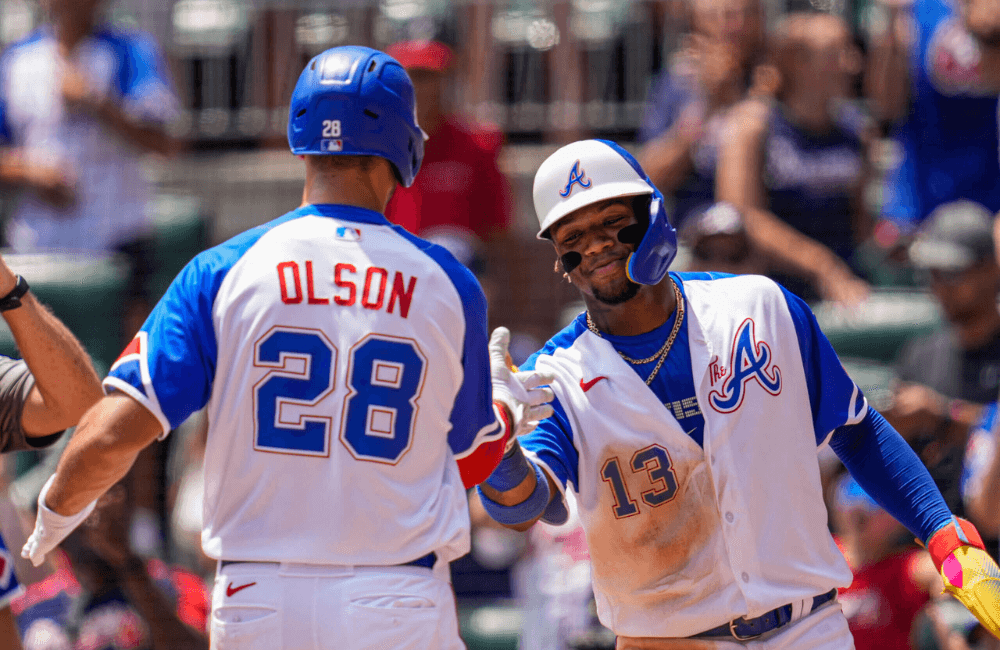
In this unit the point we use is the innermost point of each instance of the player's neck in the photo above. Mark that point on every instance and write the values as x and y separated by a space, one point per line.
348 187
649 309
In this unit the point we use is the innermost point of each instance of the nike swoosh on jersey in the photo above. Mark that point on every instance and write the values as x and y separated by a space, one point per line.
230 590
587 385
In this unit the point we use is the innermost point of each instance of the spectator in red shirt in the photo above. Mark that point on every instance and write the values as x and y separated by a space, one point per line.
459 185
893 579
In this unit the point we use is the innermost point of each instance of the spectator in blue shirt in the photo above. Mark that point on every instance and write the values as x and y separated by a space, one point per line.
934 76
797 167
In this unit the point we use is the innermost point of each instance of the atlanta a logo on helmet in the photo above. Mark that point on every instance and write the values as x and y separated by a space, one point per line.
576 176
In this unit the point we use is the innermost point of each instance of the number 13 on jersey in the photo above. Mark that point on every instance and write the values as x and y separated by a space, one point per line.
383 374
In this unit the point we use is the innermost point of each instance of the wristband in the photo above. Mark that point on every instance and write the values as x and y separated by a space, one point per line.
511 470
523 512
952 536
13 299
556 513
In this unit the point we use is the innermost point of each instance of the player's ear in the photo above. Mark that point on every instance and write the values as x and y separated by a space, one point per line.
558 268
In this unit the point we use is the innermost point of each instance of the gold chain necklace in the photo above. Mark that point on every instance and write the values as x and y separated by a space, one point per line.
661 354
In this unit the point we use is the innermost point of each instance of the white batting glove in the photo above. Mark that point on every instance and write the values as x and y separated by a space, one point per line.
51 528
523 393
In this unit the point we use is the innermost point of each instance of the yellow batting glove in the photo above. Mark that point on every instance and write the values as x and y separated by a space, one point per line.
969 573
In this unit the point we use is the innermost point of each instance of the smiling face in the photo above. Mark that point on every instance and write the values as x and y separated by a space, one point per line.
592 232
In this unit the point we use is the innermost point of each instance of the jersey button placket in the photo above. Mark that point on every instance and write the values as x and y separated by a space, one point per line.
730 517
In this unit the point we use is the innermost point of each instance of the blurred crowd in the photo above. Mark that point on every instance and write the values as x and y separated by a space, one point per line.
837 156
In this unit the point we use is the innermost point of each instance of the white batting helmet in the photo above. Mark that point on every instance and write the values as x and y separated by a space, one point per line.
582 173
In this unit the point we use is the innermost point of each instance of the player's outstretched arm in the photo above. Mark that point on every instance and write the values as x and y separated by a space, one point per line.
66 384
101 452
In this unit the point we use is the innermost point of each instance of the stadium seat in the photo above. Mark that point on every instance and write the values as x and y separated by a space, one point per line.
879 328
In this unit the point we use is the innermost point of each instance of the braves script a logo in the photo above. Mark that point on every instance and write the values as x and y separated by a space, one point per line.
576 175
749 360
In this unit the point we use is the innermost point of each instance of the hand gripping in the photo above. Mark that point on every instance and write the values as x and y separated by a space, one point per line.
524 394
969 573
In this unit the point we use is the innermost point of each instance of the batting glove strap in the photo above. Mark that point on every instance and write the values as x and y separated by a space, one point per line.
511 470
951 537
527 510
51 528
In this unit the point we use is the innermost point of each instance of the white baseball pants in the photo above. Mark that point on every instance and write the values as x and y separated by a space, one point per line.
267 606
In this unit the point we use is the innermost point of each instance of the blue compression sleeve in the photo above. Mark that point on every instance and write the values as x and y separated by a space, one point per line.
892 474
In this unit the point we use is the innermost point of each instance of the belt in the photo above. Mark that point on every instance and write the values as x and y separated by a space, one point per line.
743 629
426 562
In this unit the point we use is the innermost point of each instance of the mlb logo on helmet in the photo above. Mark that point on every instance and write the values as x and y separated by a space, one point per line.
332 145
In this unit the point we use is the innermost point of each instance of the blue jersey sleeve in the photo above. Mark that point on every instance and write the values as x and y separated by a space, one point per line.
143 80
10 588
835 399
170 364
551 443
472 418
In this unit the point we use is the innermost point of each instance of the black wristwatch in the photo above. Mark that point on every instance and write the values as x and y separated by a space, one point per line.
13 299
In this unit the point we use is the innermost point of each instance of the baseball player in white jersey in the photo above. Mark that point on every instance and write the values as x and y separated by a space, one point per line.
688 412
345 371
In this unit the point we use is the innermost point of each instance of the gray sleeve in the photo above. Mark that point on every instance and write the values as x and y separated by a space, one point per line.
16 383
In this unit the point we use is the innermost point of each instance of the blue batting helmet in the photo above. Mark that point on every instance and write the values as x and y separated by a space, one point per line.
357 101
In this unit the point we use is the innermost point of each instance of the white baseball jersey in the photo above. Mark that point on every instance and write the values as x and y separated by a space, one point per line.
344 366
700 494
112 190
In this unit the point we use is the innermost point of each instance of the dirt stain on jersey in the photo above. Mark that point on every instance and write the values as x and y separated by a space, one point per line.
663 556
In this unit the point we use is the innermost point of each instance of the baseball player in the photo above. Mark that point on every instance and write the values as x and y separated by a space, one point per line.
40 396
345 371
688 412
